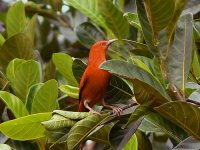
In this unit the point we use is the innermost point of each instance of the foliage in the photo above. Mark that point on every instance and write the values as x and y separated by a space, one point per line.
154 64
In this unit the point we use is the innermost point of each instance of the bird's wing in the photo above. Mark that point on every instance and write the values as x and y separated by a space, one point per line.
82 85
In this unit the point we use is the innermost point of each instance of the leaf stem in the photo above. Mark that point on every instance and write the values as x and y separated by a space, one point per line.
163 67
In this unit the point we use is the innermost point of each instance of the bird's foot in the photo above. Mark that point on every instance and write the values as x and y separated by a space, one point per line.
116 110
94 112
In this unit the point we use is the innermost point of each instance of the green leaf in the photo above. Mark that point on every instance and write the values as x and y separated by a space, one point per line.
138 76
185 115
89 9
22 75
159 14
30 95
189 143
2 40
137 61
45 100
78 68
16 19
195 63
11 68
146 28
156 123
25 128
14 104
88 34
181 52
195 96
139 112
119 137
143 141
30 28
64 64
179 6
101 133
58 122
72 115
132 144
5 147
17 46
139 48
113 18
82 129
70 91
118 89
133 20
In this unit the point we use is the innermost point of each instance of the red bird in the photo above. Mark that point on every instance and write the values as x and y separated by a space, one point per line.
95 81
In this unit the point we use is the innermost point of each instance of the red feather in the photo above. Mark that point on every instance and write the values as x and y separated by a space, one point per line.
94 81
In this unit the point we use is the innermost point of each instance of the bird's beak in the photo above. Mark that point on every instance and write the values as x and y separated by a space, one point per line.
110 42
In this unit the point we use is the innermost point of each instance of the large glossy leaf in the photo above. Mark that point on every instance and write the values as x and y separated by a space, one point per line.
133 20
139 112
78 68
142 80
82 129
58 122
45 100
25 128
195 63
195 96
16 19
5 147
30 28
17 46
156 123
22 75
64 64
181 52
88 34
139 48
143 141
89 9
185 115
2 39
30 95
120 137
189 143
113 18
146 28
159 13
118 90
70 91
14 104
179 6
11 68
101 135
132 144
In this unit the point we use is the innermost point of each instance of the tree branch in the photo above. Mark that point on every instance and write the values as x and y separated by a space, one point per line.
193 102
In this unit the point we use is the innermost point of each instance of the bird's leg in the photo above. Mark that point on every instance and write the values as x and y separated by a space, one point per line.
116 110
89 108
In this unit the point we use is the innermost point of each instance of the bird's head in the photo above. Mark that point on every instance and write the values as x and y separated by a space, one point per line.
102 46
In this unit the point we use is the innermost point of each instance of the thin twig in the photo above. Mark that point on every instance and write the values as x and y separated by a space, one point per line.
192 73
193 102
124 108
